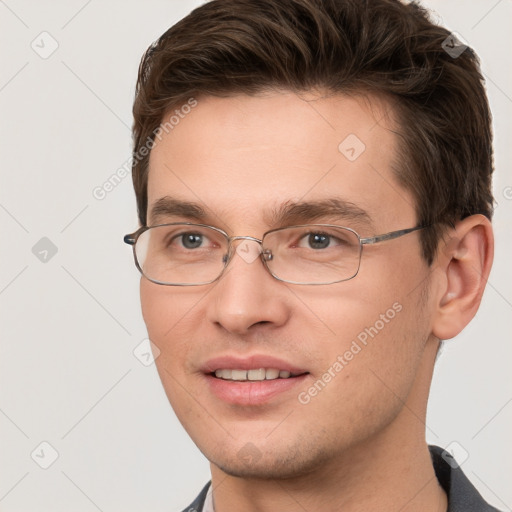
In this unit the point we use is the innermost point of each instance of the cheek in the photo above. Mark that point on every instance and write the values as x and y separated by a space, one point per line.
169 315
157 310
367 369
371 340
165 307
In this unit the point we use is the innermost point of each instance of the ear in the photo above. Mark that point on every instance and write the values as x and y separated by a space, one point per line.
464 259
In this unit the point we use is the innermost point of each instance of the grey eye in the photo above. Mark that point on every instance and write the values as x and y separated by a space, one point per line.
191 240
318 240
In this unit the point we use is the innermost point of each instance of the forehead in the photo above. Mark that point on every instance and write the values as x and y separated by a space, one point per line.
243 157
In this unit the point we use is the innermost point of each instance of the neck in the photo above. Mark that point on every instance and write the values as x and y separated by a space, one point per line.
389 472
381 479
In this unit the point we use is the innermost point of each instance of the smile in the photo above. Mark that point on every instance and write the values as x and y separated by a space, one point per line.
256 374
253 380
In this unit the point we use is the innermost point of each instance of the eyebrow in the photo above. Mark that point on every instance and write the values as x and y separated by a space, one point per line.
290 213
169 207
297 212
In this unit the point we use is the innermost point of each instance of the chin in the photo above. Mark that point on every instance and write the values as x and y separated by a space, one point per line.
271 471
272 463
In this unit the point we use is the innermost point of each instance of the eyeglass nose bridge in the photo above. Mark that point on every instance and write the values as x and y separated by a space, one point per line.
257 240
245 252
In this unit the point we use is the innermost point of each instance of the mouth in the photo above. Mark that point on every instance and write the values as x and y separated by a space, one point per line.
254 374
254 380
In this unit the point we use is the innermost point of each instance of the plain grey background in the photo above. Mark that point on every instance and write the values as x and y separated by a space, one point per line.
71 318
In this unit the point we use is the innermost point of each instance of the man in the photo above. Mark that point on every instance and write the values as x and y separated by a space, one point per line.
313 188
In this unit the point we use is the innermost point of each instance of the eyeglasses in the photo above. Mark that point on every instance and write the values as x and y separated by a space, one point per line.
187 254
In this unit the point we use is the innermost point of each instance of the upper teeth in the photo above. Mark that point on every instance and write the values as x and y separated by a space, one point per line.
256 374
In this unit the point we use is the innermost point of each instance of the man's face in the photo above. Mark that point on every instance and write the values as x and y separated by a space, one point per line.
355 347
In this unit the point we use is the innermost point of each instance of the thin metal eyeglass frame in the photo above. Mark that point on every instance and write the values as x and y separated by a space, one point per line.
131 239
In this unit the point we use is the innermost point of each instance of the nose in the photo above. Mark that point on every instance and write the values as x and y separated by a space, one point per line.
247 297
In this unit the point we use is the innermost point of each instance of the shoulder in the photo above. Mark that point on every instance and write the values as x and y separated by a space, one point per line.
198 503
462 495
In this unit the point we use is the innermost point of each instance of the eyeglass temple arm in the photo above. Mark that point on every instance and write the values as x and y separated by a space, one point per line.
390 236
129 239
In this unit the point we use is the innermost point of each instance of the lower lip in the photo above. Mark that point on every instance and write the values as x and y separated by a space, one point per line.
251 392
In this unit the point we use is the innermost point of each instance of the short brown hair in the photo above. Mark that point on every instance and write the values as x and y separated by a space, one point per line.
341 46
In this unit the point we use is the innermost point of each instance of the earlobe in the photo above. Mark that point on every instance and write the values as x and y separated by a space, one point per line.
465 260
